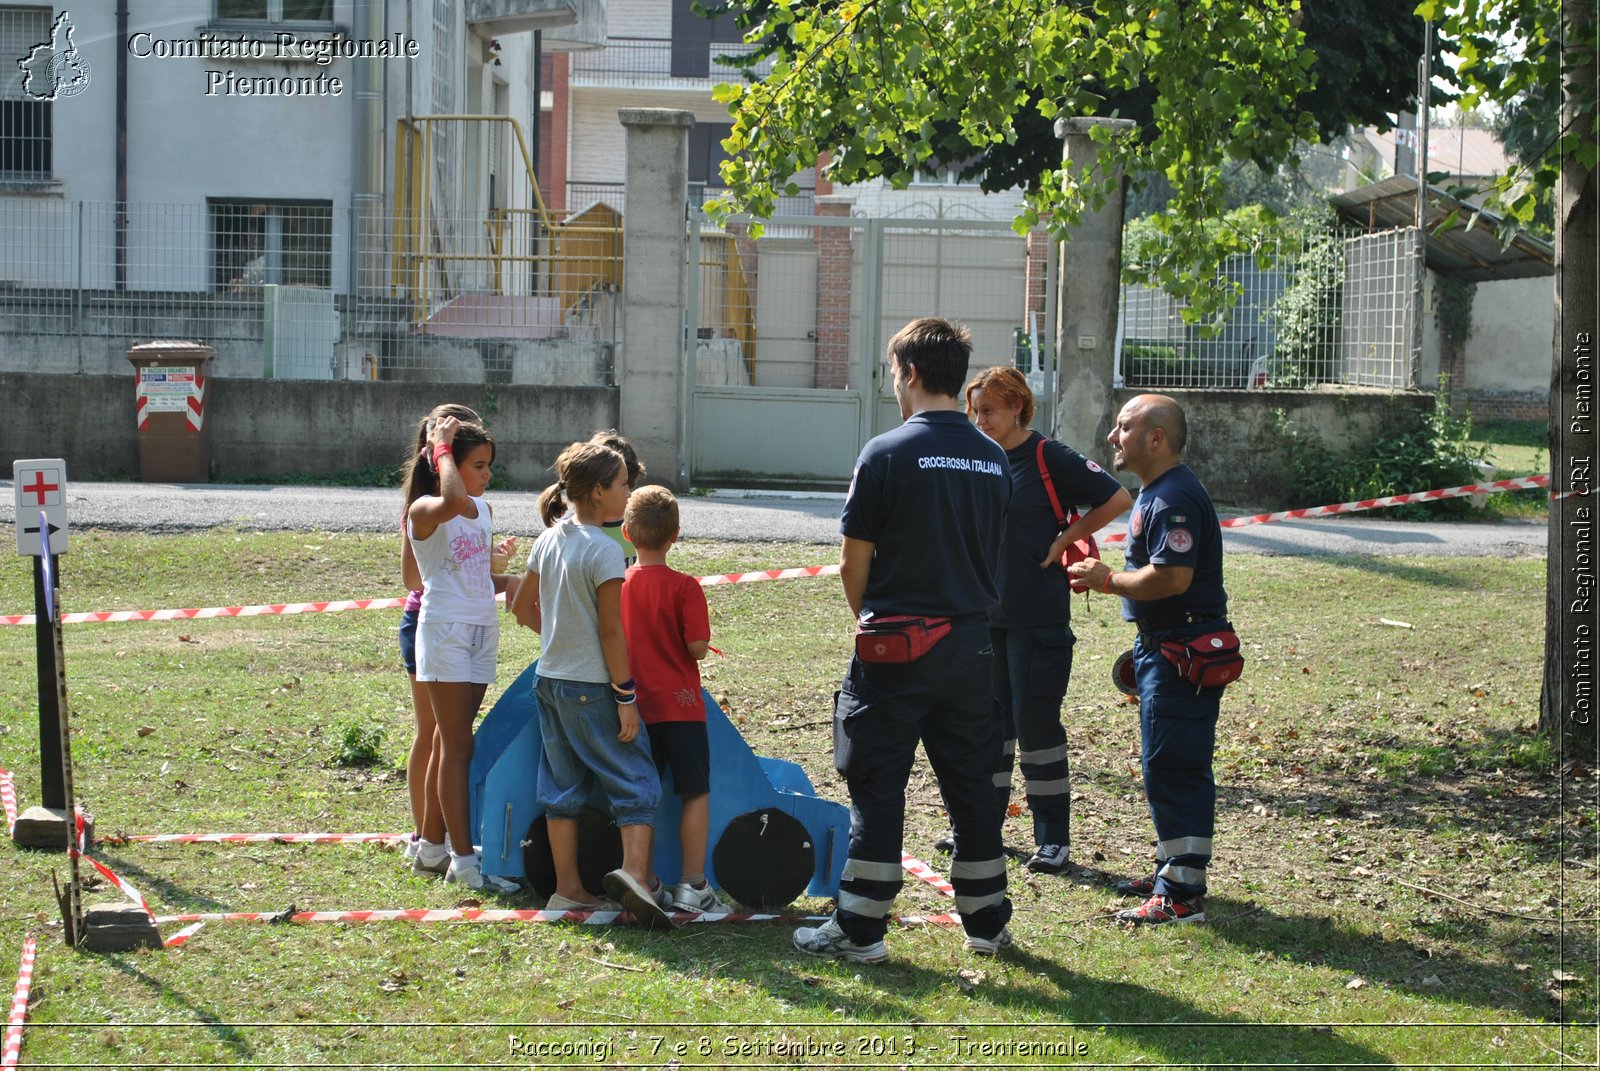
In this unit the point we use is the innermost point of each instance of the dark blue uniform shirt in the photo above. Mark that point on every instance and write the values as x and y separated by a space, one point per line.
932 495
1174 523
1031 597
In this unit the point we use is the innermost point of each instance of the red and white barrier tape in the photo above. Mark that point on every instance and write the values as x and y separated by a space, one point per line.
768 574
8 799
263 838
918 869
182 935
473 914
97 617
1519 483
102 616
81 851
11 1053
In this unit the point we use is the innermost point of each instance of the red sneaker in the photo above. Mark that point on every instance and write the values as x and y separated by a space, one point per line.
1141 887
1159 909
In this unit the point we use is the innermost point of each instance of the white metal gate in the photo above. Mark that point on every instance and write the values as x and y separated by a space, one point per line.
785 345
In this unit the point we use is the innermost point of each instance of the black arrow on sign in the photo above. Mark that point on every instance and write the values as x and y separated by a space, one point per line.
54 528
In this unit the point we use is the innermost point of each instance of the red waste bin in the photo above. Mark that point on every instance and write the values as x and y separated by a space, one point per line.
170 378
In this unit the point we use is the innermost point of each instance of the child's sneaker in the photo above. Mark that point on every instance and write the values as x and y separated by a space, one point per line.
1048 859
988 946
431 859
686 897
1159 909
830 942
468 870
411 848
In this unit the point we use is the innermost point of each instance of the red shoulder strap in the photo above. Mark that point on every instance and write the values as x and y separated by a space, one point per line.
1049 484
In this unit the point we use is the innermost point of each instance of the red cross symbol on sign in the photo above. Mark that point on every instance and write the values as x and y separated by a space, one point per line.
38 487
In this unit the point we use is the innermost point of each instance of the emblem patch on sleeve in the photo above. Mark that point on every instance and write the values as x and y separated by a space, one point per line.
1180 540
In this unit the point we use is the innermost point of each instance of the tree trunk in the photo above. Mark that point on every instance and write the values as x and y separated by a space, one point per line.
1566 705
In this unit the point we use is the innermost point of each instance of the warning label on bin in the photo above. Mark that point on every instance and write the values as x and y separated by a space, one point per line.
166 390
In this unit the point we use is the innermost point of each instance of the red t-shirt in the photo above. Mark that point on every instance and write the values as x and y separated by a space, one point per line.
663 611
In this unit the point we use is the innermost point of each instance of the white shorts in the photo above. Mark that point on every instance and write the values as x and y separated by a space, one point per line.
452 652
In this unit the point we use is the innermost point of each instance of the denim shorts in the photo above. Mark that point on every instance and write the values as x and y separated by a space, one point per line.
579 722
408 641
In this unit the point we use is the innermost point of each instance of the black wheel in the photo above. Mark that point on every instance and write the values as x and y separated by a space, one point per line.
764 859
599 853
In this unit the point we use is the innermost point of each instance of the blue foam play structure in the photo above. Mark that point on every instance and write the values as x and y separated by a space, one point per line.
504 783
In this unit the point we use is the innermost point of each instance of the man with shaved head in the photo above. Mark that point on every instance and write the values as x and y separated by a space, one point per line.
1171 590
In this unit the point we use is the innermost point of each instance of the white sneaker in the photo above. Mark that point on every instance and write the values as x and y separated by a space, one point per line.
686 897
430 859
410 852
468 870
988 946
830 942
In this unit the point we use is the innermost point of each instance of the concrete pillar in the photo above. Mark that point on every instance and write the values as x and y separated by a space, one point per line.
653 398
1086 317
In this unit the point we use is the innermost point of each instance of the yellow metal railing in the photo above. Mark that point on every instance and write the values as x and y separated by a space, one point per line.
566 259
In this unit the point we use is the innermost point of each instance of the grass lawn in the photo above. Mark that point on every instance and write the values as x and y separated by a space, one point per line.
1405 874
1516 448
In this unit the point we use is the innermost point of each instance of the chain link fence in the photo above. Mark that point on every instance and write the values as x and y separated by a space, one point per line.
313 290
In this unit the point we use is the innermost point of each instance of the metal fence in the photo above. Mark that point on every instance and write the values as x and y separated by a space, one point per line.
641 61
1339 307
312 289
799 305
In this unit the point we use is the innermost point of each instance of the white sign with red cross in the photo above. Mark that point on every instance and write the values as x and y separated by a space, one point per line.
41 490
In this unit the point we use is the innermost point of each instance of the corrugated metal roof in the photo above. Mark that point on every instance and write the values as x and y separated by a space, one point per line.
1473 255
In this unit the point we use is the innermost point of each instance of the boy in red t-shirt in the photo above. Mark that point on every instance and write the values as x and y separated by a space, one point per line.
668 626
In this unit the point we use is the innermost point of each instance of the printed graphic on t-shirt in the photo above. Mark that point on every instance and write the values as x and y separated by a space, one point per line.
1091 466
469 554
1136 522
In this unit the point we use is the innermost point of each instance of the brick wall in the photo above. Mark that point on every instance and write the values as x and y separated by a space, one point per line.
833 297
1504 404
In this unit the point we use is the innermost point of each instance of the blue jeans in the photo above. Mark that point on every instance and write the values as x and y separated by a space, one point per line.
1177 734
579 723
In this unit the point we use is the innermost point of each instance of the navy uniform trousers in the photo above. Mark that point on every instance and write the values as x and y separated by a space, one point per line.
1032 667
944 700
1177 734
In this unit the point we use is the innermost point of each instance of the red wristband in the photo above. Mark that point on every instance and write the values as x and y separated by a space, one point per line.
440 451
1105 589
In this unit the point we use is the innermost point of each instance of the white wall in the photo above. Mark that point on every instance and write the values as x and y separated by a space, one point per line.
1513 325
639 18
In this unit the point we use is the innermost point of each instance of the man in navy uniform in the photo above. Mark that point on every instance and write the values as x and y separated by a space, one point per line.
1171 589
921 526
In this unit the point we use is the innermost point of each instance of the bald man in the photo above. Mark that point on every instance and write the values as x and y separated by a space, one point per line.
1171 589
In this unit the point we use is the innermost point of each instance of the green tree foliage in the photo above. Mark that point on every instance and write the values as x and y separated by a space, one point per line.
871 82
1511 53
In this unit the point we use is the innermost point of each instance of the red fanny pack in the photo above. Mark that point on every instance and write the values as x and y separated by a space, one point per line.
1208 661
899 638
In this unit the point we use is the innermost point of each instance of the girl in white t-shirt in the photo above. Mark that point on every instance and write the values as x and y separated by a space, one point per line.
451 531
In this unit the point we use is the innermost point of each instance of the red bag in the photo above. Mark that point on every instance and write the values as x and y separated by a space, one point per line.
1083 549
1208 661
898 638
